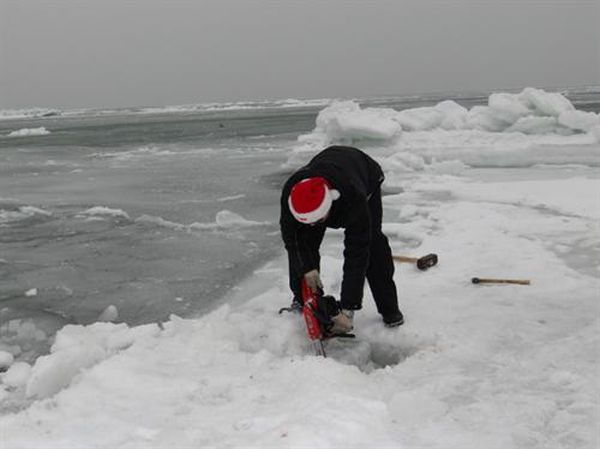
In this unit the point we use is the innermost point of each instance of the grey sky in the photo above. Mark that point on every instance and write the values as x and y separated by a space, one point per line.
100 53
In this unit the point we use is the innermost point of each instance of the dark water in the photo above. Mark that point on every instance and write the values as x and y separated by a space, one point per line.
155 248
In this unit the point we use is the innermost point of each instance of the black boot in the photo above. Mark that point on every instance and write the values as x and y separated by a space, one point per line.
393 319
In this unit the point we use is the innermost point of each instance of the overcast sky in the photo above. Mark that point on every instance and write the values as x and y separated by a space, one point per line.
100 53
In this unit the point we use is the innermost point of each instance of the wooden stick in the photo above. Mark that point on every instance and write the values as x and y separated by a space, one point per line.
405 259
500 281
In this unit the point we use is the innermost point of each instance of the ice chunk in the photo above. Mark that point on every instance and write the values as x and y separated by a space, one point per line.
419 119
579 120
545 103
226 219
536 125
403 162
17 375
486 119
454 115
6 359
364 125
22 213
533 111
101 210
508 107
159 221
30 210
346 120
109 314
53 372
26 132
77 348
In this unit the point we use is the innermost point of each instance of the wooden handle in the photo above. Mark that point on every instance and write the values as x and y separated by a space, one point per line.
500 281
405 259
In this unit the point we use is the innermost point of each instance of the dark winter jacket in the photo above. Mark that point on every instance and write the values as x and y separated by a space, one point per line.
356 176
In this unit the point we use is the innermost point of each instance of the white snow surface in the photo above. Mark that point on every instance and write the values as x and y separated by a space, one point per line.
17 375
504 366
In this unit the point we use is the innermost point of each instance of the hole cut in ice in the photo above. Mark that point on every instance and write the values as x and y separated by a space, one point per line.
369 355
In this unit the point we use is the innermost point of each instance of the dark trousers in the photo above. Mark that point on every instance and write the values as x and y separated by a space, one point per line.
380 271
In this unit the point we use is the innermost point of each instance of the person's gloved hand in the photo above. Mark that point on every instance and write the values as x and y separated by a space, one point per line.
313 280
343 322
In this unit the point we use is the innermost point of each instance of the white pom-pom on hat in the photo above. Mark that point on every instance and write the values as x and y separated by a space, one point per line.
310 199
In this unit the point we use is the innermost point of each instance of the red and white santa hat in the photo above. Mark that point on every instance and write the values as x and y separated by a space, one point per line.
311 199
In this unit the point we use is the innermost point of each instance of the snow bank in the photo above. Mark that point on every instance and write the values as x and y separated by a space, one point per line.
533 127
454 150
473 366
579 120
571 197
27 132
533 111
346 120
17 375
77 348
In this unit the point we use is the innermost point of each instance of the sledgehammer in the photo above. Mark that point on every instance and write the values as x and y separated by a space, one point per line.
500 281
423 263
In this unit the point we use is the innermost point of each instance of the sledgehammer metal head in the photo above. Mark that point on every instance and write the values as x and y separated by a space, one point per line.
423 263
428 261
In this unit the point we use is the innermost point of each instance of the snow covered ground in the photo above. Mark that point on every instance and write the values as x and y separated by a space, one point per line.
474 366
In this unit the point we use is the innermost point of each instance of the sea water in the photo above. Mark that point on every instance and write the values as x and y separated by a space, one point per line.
153 213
